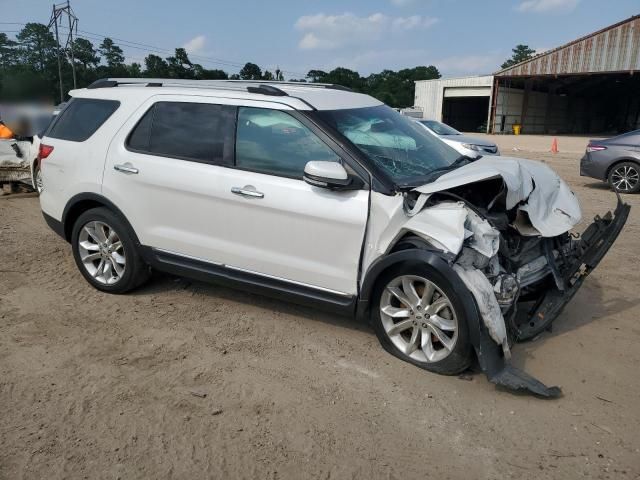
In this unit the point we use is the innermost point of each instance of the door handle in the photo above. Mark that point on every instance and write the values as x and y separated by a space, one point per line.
126 168
247 192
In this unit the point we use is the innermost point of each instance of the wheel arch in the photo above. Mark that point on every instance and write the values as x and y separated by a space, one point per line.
82 202
419 256
620 160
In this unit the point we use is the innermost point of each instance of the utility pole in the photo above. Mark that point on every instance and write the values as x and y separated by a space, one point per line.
60 10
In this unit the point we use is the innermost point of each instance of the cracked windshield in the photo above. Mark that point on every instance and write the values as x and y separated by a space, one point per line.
399 146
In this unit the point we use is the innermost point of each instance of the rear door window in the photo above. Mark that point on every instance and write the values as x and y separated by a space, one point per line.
199 132
81 118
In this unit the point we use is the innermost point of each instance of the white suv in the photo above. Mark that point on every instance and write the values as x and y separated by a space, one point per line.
323 196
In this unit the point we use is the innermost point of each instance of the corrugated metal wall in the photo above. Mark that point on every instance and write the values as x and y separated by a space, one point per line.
430 93
614 49
545 113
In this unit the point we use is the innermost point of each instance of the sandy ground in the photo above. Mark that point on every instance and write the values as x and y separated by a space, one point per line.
101 386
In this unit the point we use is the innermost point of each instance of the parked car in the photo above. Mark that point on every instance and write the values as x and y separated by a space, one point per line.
318 195
470 146
615 160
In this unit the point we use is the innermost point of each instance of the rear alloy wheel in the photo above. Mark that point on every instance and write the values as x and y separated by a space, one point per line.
625 177
105 252
418 318
37 174
102 253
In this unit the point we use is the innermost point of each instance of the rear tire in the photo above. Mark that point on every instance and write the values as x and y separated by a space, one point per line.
624 177
105 252
37 179
419 318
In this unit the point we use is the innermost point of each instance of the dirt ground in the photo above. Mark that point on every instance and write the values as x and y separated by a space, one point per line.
100 386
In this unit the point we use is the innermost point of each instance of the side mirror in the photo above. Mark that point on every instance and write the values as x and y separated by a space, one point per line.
331 175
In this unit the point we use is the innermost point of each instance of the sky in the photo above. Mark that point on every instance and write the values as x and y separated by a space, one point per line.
459 37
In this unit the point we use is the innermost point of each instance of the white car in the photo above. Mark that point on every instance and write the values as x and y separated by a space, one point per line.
472 147
318 195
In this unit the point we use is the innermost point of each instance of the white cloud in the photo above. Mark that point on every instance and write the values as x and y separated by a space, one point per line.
402 3
544 6
329 32
195 45
415 21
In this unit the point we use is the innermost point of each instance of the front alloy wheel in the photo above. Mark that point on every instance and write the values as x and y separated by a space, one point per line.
419 317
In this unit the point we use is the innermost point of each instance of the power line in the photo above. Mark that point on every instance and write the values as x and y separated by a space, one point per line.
92 36
156 49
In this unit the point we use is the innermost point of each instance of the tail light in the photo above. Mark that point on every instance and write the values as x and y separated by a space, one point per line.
44 152
595 148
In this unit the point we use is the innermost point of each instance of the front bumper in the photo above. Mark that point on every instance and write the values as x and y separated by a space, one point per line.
570 272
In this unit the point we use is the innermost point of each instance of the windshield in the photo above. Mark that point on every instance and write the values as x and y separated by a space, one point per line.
439 128
400 147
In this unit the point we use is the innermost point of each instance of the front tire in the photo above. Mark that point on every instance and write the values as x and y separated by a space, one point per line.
105 252
625 177
419 318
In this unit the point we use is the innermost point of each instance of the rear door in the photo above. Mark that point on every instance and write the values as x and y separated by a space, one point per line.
171 169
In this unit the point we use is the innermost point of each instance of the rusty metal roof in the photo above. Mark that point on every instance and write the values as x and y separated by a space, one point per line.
612 49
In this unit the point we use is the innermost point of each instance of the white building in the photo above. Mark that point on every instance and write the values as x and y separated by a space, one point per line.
461 102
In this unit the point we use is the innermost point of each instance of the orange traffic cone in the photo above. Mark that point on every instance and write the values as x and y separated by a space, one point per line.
554 145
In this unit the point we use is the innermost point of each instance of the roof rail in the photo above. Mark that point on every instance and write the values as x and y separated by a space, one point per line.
251 87
103 83
237 84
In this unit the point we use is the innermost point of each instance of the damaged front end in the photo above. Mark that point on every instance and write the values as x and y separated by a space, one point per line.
509 241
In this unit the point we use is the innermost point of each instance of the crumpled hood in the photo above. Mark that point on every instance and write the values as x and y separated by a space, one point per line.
552 207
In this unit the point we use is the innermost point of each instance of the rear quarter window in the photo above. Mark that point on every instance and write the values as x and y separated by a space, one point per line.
81 119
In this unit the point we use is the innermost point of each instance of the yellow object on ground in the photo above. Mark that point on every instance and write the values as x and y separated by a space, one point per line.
516 129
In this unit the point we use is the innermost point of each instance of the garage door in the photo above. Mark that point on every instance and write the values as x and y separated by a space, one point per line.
467 92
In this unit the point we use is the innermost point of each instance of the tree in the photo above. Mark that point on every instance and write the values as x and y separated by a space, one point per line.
85 54
316 76
37 46
267 75
520 54
111 53
155 67
179 65
8 51
204 74
345 77
134 70
251 71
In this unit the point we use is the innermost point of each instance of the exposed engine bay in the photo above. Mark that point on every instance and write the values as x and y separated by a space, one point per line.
504 226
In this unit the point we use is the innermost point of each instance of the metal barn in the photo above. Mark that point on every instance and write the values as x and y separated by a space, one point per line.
588 86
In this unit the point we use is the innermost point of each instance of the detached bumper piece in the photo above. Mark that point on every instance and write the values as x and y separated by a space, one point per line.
14 173
569 271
